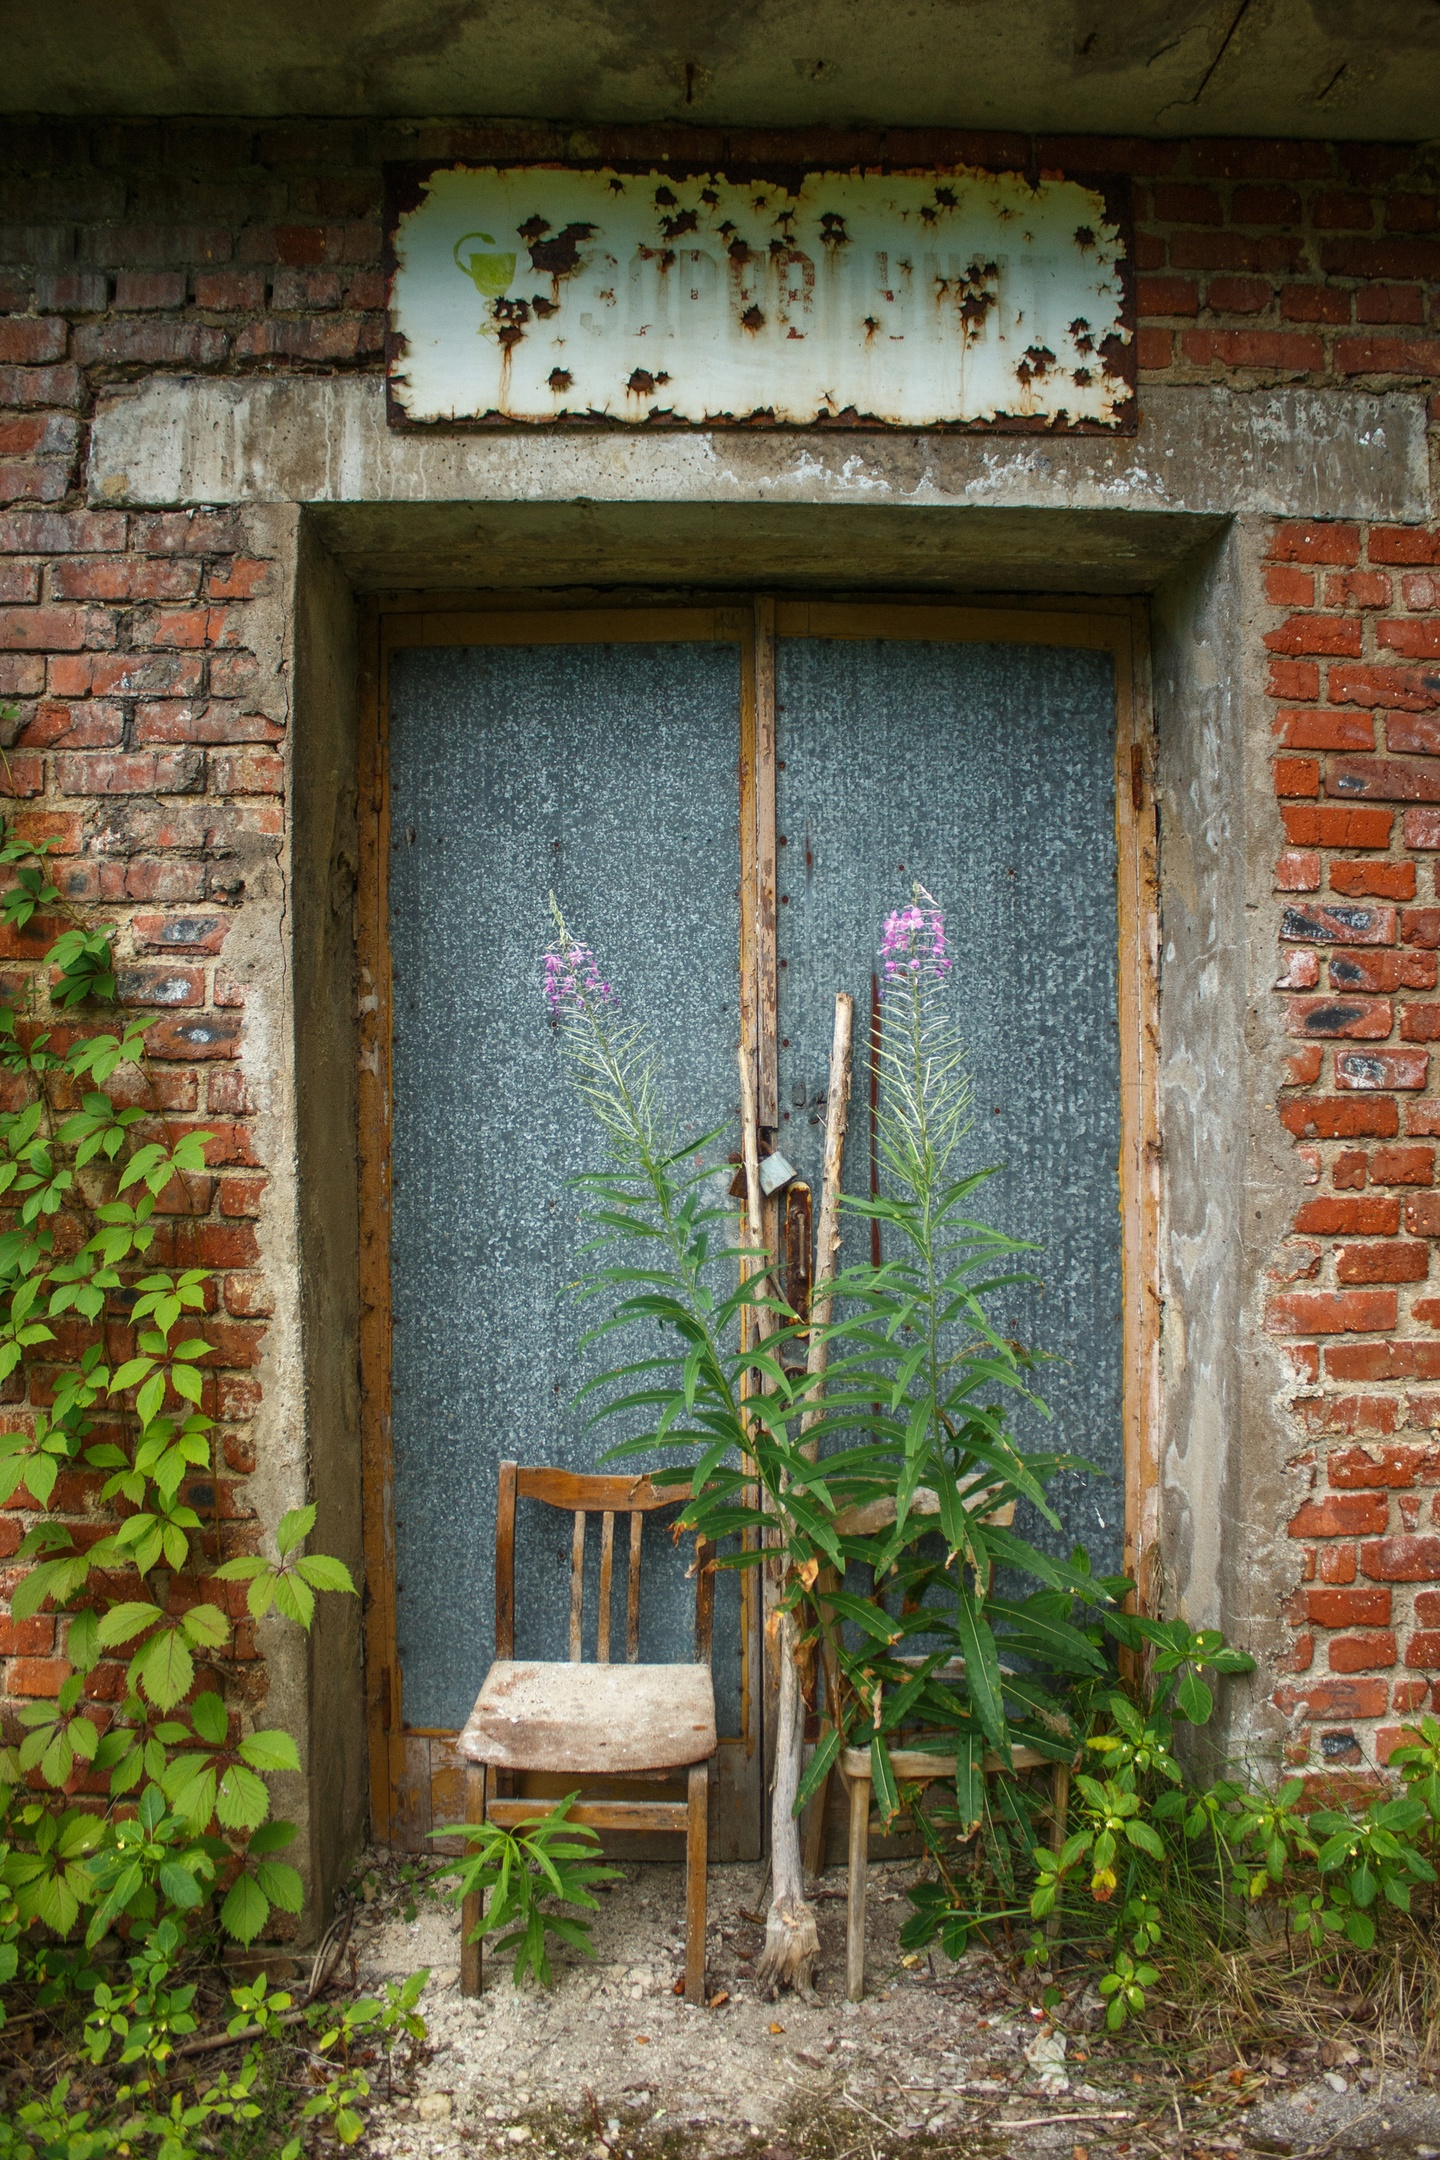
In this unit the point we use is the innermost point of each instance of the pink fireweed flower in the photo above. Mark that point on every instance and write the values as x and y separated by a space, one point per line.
572 981
913 941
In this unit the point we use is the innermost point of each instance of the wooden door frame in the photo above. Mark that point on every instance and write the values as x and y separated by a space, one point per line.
408 1781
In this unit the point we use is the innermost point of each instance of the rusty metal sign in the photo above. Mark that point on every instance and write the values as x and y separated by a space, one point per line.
958 298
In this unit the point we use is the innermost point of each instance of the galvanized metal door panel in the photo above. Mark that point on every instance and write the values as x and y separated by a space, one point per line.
608 772
987 772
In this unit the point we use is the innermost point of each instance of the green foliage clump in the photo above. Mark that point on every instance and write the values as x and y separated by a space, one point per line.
147 1817
516 1873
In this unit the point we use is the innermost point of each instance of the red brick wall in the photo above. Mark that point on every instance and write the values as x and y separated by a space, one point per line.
1354 635
143 749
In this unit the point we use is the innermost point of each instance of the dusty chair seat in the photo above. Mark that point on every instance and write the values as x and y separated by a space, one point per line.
592 1720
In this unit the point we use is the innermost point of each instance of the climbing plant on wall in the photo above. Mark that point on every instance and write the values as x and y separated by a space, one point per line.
136 1798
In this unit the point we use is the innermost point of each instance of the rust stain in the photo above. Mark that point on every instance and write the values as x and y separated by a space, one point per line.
559 257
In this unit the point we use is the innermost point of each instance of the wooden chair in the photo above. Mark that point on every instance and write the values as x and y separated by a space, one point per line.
914 1766
600 1720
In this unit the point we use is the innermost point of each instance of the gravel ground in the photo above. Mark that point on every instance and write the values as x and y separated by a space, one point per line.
612 2065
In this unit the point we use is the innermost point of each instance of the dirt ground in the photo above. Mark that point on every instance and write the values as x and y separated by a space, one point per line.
940 2058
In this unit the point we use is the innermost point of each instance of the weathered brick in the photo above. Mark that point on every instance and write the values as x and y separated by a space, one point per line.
213 720
1331 1312
230 292
1347 1608
1403 1165
1377 1215
1397 689
1297 776
1298 870
1379 880
30 340
1335 1698
1230 295
1403 544
1402 1559
1341 1515
188 933
1383 1361
1423 1650
1335 634
1390 304
1314 923
1378 970
1333 825
216 1035
135 772
1289 352
1367 1652
1416 639
1340 1117
1396 1261
1368 1070
1420 1023
1383 779
25 386
1363 1019
141 289
121 577
1314 304
247 772
150 344
148 984
1394 1464
61 532
52 629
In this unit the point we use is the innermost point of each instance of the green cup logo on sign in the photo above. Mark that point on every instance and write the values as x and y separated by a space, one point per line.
489 274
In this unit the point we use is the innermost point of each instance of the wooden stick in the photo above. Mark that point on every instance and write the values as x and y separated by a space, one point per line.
827 1237
827 1247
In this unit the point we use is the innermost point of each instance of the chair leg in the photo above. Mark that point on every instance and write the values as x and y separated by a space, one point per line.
855 1904
697 1844
470 1952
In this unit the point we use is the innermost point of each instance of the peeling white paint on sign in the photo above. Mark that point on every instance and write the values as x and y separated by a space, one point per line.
547 293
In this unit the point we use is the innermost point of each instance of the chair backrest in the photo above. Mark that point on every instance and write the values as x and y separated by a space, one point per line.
606 1497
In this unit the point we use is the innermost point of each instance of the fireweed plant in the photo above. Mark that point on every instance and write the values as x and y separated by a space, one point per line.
134 1804
915 1412
900 1630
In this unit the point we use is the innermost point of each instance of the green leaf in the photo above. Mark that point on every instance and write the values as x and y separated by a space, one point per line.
123 1621
165 1668
272 1750
882 1780
209 1717
281 1883
205 1626
179 1885
245 1910
982 1668
242 1800
323 1572
1194 1700
295 1527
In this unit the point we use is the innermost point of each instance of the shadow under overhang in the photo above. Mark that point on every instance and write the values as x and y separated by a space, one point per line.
519 546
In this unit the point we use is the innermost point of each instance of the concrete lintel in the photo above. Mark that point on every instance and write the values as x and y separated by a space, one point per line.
1199 451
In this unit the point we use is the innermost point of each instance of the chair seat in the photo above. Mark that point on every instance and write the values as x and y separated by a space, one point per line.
591 1720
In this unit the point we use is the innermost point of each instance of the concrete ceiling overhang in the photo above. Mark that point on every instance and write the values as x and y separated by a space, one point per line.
1316 68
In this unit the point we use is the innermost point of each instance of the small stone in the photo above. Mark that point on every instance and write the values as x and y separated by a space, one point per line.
1336 2083
433 2107
518 2134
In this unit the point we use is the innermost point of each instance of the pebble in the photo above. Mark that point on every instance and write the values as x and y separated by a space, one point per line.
433 2107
